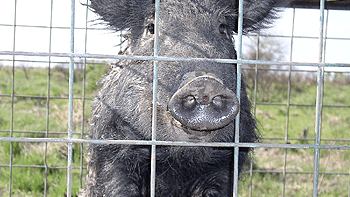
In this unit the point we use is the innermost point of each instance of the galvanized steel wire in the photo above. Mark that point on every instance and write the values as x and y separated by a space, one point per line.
69 140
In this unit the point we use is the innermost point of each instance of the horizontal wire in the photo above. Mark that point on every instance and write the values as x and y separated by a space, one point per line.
176 143
161 58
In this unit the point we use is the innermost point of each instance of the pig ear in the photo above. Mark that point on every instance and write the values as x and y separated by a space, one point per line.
260 14
124 14
257 14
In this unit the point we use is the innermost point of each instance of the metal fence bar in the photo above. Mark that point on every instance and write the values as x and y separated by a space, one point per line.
318 126
83 101
325 38
296 36
286 133
173 59
48 27
12 95
302 172
37 166
45 97
48 102
177 143
154 102
256 70
244 67
238 94
288 105
319 101
263 138
70 116
309 139
321 39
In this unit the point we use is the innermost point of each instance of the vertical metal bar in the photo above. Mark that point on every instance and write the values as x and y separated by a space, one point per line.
320 77
83 100
325 38
70 117
320 57
287 129
12 96
48 101
288 106
154 103
255 101
319 101
238 94
323 60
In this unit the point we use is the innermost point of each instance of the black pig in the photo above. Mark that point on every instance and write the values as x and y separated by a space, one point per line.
196 99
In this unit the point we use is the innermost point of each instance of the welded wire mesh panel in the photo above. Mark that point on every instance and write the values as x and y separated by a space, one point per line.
301 118
52 58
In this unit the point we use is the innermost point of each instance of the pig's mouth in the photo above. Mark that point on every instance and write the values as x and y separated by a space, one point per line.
202 105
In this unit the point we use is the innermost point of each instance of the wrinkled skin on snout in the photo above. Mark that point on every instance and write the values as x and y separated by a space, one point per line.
196 99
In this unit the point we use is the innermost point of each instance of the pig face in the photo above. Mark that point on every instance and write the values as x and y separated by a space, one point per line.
196 99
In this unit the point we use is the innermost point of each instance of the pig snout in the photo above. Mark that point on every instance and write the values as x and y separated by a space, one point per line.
204 103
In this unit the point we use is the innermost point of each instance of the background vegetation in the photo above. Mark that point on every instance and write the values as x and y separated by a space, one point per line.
36 116
31 110
277 121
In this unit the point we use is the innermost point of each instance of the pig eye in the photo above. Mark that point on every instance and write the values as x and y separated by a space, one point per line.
150 28
189 102
222 28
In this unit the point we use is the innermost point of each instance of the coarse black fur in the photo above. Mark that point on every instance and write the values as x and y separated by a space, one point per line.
122 108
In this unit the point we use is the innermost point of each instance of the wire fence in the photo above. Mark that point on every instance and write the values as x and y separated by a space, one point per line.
18 140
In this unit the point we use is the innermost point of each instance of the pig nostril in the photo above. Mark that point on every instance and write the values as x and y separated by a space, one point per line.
218 102
189 102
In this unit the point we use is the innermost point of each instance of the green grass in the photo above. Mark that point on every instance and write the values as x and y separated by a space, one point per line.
30 114
301 125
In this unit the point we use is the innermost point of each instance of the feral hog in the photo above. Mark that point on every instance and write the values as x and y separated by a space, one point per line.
196 99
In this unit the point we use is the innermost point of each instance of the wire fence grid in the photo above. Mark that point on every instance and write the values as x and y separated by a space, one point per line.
71 142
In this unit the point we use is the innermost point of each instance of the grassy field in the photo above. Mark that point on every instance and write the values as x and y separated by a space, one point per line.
39 117
30 115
